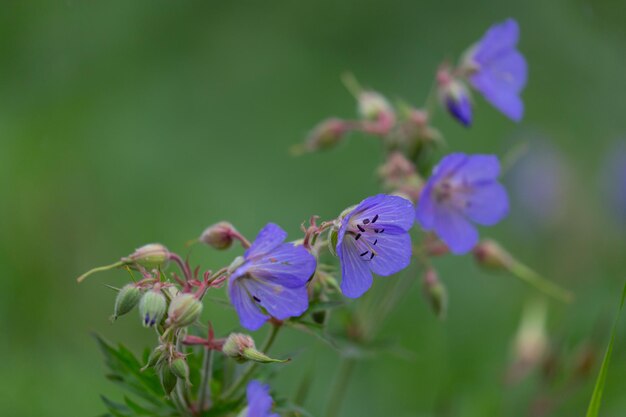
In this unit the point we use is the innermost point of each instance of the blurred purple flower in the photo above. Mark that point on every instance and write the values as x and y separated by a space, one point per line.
373 237
539 183
458 103
259 401
273 276
499 70
614 180
462 188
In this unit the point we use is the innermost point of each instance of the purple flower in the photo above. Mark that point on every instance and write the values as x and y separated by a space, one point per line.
499 70
273 276
373 237
460 107
613 177
259 401
462 188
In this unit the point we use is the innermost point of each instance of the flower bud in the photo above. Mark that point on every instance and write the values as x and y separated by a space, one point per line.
184 310
151 256
327 134
436 293
372 105
168 379
490 255
127 298
455 97
152 308
180 368
241 347
219 236
155 358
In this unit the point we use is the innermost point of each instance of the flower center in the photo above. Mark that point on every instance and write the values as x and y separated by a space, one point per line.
364 234
453 193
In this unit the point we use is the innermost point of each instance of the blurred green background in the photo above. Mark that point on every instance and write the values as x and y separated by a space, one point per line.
128 122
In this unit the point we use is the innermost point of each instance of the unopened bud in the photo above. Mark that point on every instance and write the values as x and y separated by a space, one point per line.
152 308
436 293
241 347
155 358
490 255
151 256
180 368
127 298
372 105
327 134
184 310
455 97
168 379
219 236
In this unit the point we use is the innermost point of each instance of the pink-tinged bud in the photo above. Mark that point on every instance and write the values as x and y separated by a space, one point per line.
435 293
372 105
151 256
219 236
184 310
490 255
241 348
327 134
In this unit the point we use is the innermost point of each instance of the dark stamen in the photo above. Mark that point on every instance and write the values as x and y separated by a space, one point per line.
360 228
372 256
379 230
357 236
364 253
366 221
375 242
375 218
257 299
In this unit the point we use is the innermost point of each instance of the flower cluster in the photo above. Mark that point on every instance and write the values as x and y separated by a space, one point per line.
294 283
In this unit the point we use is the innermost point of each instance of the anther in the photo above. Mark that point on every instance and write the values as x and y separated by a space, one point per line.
375 218
366 221
257 299
364 253
357 237
360 228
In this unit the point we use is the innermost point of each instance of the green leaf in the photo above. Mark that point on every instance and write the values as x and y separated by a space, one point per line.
598 390
125 371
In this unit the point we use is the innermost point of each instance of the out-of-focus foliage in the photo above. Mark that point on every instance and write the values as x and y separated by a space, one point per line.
122 123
